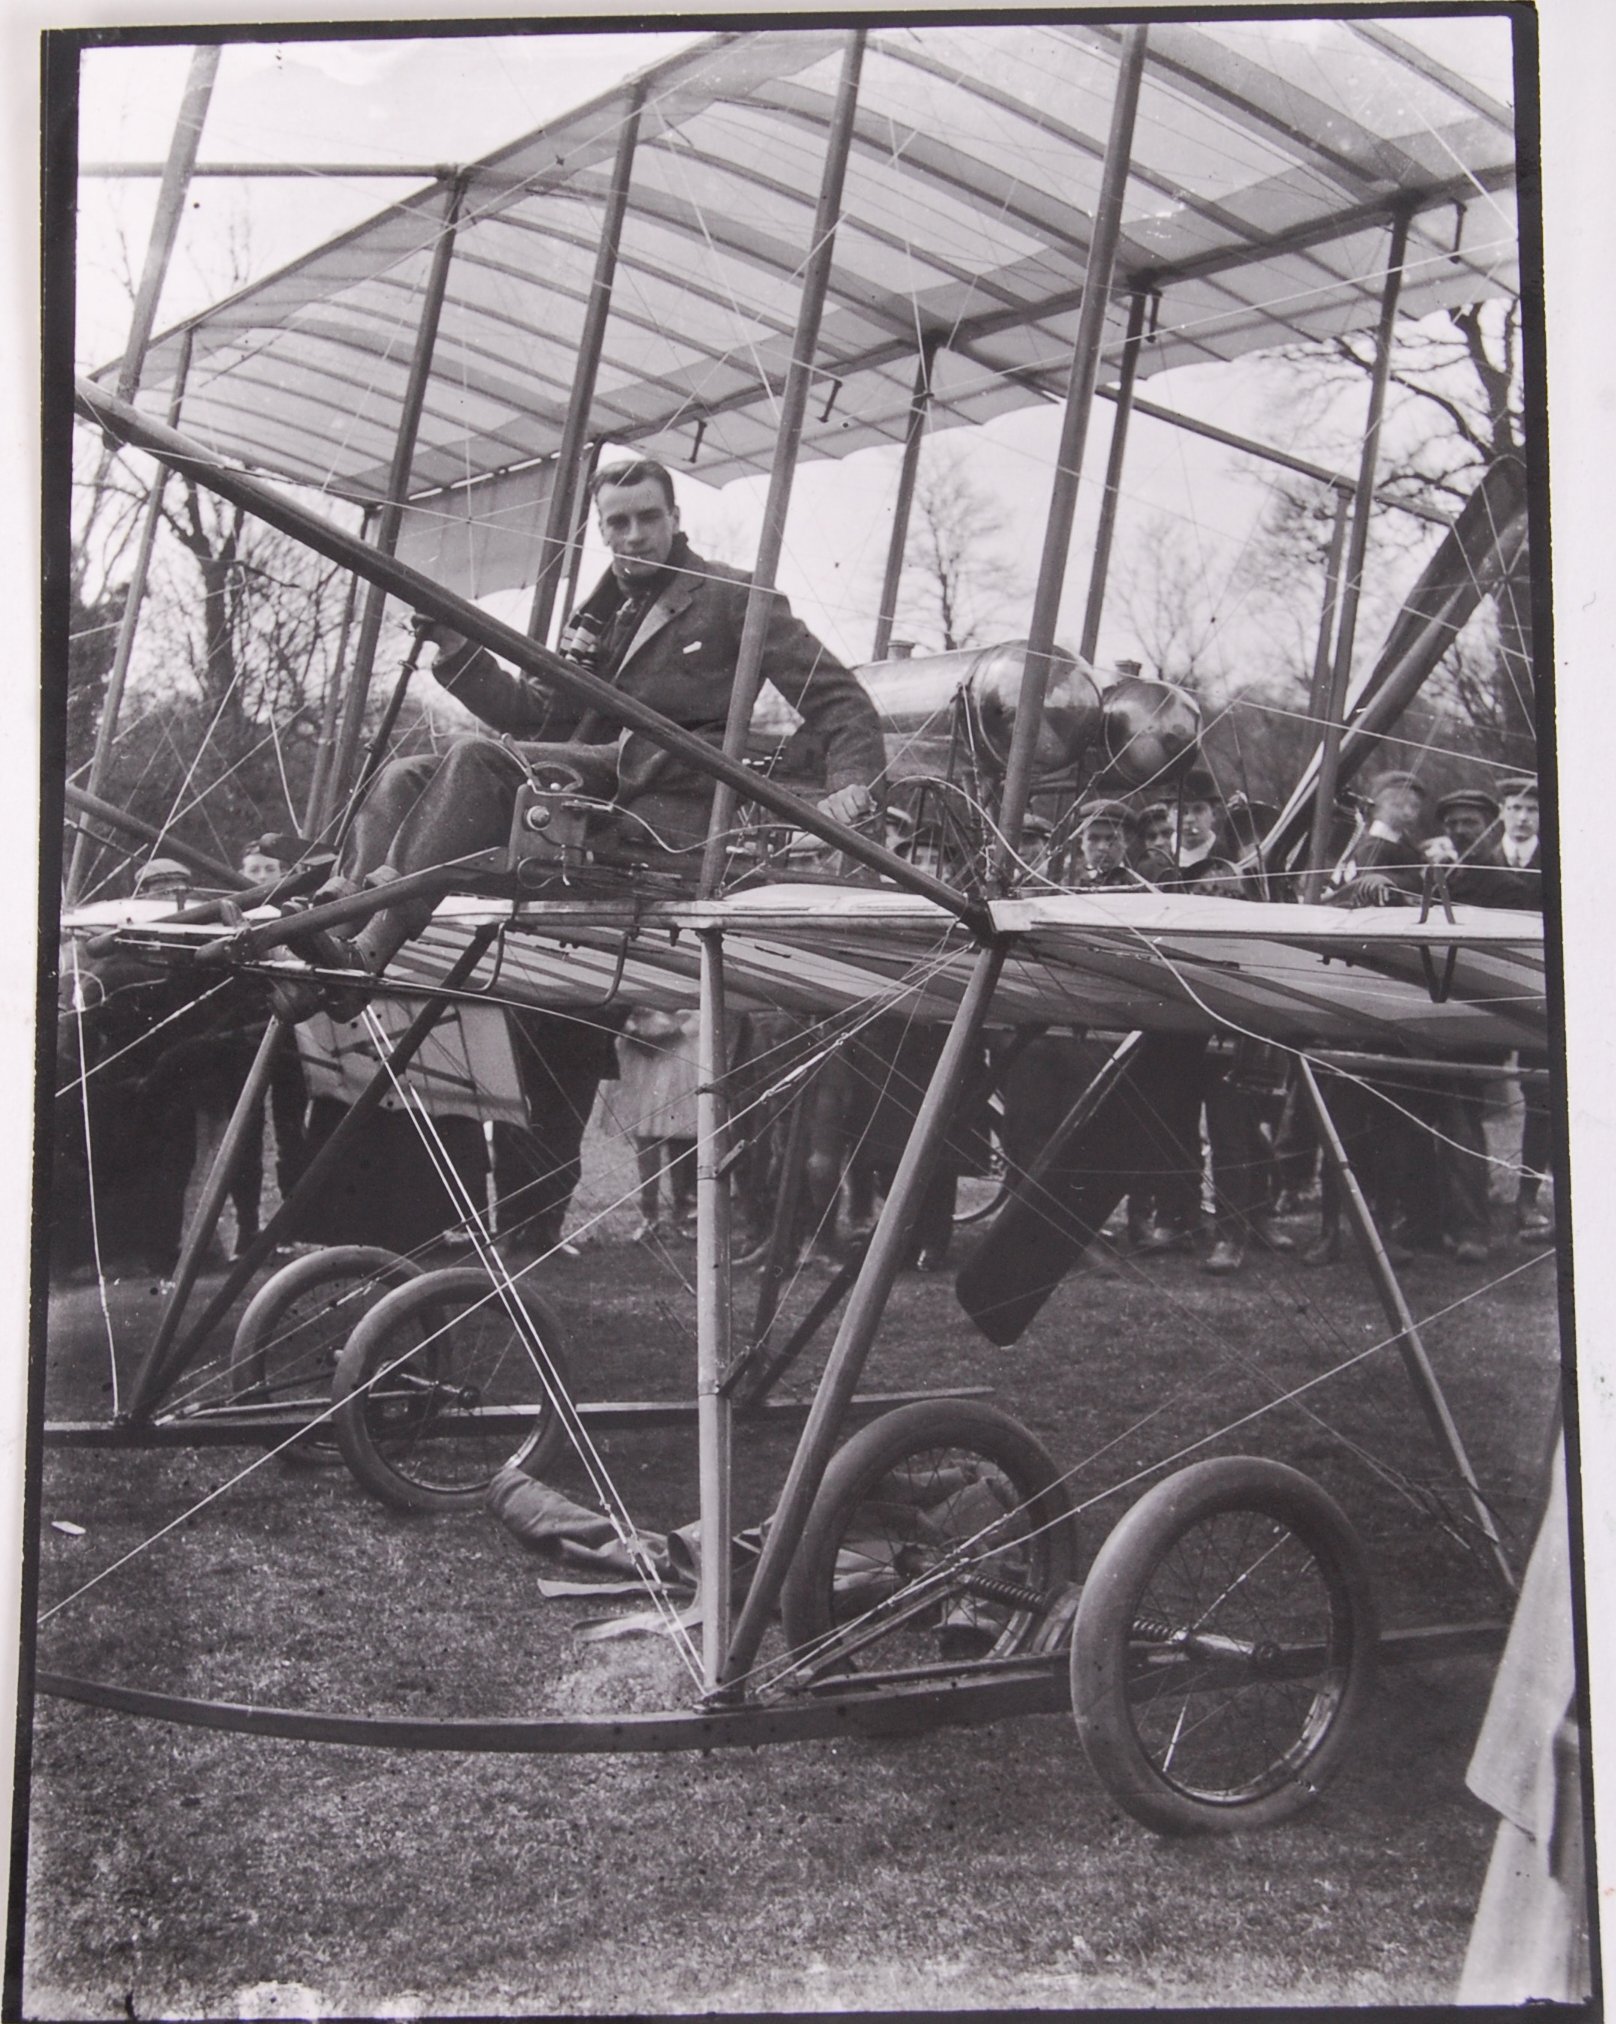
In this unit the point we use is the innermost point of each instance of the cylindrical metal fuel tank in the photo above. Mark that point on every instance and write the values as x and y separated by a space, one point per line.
916 694
1152 730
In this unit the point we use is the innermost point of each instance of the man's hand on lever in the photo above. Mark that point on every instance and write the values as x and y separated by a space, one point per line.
432 632
854 805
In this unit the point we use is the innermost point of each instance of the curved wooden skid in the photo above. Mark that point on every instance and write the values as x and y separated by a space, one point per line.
877 1707
882 1704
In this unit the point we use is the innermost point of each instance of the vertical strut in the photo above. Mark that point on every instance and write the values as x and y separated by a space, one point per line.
866 1305
569 456
713 1309
914 434
1319 687
793 407
1357 548
171 195
1069 457
1100 569
391 517
210 1206
313 815
1410 1347
128 627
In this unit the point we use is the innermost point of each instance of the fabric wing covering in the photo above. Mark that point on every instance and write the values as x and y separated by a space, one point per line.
1375 977
1269 158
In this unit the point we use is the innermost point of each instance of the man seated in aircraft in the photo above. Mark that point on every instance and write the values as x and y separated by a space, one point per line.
664 626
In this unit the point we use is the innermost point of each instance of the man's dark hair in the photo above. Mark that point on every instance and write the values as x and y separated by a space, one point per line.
635 471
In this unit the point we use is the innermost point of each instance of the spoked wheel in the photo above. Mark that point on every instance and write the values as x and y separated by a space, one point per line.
1223 1644
440 1387
938 1534
294 1328
977 1196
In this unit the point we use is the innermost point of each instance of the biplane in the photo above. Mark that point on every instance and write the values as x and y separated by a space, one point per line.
900 228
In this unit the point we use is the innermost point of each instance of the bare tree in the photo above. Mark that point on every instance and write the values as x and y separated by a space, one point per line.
958 580
1456 408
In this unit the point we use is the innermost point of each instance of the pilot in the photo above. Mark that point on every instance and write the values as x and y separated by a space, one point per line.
662 624
665 626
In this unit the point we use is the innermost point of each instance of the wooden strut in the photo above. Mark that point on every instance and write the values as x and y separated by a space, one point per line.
914 435
1086 347
1352 583
134 597
881 1704
866 1306
562 511
1100 568
793 407
1398 1312
714 1309
248 1421
391 517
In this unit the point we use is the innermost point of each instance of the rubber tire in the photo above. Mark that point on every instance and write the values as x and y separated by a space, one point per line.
1129 1580
807 1599
341 1269
399 1471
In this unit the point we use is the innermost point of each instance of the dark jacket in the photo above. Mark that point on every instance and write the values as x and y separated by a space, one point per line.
1484 877
681 661
1386 870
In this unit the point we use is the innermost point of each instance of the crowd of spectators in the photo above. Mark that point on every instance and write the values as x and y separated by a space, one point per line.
1231 1152
1231 1147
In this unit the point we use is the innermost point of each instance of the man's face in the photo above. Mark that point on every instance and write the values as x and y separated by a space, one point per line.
1104 846
1464 827
1197 824
260 867
1158 833
1520 819
1399 807
638 526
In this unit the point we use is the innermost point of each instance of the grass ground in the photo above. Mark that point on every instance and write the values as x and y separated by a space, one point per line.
184 1874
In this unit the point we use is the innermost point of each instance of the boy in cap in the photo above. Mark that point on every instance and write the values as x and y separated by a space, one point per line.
1106 831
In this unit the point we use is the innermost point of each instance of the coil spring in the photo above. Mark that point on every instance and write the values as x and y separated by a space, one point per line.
996 1588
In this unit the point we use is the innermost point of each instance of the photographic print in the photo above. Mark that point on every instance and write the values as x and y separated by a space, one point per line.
801 1223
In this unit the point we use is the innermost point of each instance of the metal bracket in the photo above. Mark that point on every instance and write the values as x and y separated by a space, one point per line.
1434 890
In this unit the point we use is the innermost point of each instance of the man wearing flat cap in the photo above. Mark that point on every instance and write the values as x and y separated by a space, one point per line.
1492 869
